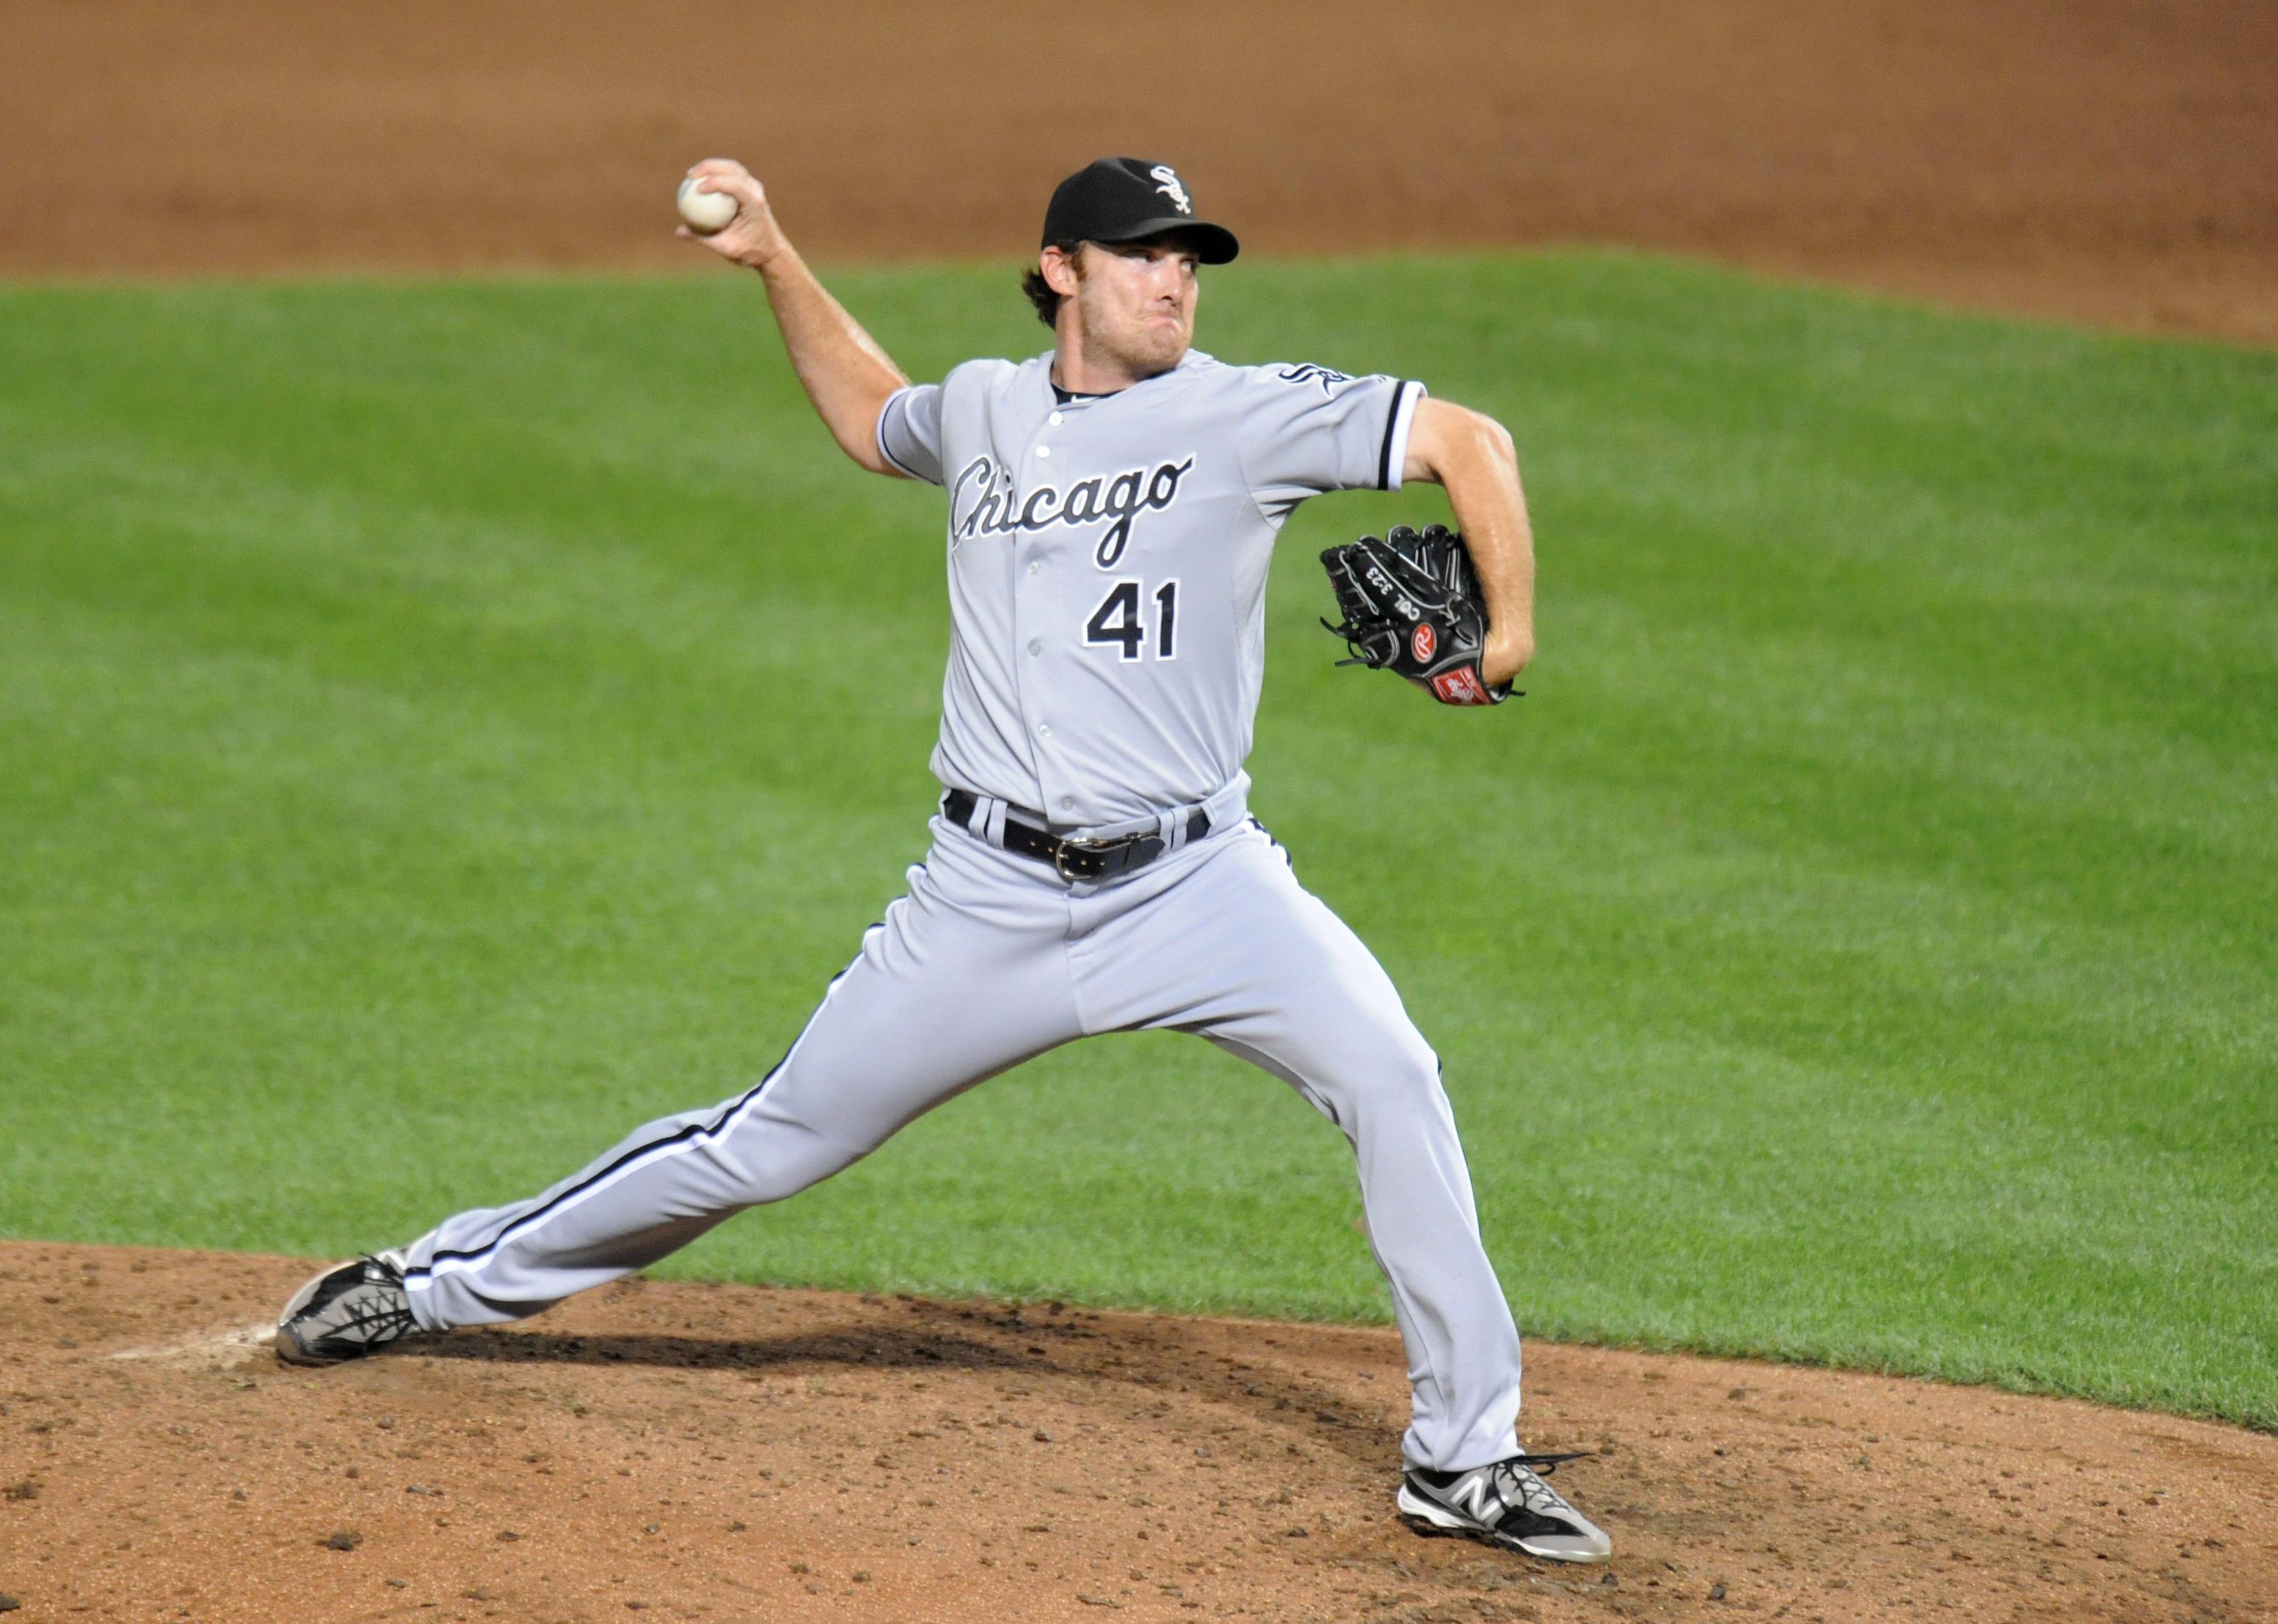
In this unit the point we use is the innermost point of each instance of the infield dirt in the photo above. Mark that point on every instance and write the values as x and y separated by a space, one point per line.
729 1452
2112 161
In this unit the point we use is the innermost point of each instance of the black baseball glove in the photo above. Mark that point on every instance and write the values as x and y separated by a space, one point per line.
1411 604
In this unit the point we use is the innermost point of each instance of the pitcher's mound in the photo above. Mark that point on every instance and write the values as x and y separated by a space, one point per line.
727 1453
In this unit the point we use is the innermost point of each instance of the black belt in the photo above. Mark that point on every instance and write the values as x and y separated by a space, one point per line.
1071 859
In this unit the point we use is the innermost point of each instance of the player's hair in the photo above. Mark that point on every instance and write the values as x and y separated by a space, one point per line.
1040 292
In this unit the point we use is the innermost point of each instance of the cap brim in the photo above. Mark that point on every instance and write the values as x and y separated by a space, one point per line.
1215 245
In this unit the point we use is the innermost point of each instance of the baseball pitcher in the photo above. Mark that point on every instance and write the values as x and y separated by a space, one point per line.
1110 511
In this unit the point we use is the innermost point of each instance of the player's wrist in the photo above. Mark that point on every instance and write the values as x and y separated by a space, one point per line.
1507 654
770 260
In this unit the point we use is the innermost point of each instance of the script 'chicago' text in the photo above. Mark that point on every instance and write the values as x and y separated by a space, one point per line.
983 501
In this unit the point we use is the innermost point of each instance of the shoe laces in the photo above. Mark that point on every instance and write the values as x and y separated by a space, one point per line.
1519 1473
380 1321
383 1314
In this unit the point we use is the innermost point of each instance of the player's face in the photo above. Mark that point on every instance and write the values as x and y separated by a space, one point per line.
1135 302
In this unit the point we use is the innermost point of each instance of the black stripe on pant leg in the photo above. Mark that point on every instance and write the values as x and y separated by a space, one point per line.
692 1132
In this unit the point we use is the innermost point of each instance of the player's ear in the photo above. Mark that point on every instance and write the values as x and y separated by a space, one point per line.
1059 267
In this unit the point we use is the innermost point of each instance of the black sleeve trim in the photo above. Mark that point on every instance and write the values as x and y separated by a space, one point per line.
1391 427
886 451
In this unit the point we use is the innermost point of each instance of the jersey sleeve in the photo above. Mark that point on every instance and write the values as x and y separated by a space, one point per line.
909 431
1307 430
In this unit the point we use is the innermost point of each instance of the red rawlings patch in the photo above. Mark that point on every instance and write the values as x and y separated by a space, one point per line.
1423 642
1461 686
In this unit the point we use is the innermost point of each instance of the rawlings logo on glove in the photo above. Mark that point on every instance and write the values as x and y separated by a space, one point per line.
1411 604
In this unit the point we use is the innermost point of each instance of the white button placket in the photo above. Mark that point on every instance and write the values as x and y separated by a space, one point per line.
1034 610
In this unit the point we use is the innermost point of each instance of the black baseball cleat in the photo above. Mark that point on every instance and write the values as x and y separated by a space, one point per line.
1505 1504
346 1312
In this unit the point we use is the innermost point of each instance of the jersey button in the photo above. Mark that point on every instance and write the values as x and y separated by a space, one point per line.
1055 420
1035 564
1067 803
1043 729
1034 646
1043 451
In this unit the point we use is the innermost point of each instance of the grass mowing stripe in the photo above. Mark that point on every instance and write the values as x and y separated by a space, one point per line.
449 722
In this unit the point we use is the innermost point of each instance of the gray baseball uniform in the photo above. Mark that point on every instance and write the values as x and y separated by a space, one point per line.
1107 560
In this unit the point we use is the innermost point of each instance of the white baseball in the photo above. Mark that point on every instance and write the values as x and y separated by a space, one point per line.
705 211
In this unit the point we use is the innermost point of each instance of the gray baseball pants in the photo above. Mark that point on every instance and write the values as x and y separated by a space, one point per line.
990 960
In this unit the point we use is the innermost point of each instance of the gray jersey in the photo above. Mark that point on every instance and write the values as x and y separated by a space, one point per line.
1107 561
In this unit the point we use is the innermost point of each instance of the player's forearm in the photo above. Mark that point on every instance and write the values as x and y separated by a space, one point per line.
1479 465
845 374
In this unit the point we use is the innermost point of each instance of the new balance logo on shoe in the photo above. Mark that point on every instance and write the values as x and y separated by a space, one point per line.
1506 1504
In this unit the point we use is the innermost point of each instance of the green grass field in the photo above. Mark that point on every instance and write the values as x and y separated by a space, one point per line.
442 725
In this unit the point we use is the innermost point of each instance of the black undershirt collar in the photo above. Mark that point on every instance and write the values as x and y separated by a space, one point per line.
1062 397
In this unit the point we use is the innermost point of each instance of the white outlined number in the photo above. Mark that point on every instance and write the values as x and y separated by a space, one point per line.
1118 620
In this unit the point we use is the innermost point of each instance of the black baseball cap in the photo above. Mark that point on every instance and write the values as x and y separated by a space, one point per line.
1121 199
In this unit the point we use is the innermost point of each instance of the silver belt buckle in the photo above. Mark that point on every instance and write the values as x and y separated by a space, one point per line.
1086 849
1144 849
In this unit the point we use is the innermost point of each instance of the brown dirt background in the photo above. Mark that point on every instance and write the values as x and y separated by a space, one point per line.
735 1454
725 1452
2111 161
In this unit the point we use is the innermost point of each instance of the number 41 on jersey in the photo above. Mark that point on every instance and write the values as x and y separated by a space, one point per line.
1118 620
